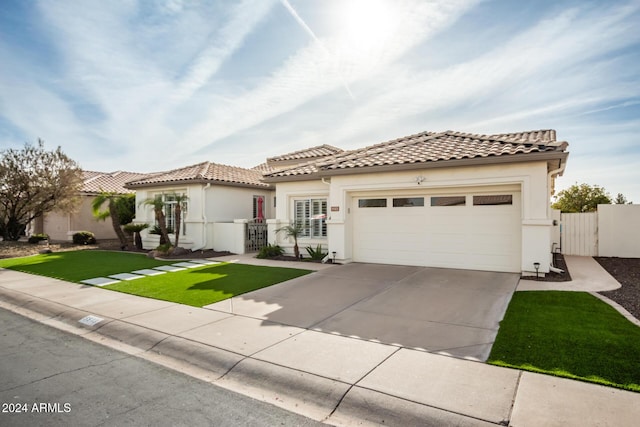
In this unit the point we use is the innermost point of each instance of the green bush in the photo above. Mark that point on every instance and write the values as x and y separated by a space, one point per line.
84 238
316 253
35 238
270 251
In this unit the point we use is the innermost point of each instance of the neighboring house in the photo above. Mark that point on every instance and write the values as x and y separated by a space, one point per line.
447 199
218 196
61 226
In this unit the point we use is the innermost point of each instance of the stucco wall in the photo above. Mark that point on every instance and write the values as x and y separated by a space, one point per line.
619 231
206 206
61 225
530 178
286 193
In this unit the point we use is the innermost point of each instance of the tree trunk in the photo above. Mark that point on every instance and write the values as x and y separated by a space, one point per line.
296 250
178 214
162 223
13 229
137 238
124 243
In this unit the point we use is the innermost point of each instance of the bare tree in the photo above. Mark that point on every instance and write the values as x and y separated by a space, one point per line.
34 181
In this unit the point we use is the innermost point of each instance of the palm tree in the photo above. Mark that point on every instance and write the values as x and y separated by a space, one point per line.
180 199
293 230
136 229
111 199
157 203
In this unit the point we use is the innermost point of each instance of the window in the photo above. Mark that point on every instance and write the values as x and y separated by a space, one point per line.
170 213
372 203
503 199
449 201
408 202
311 214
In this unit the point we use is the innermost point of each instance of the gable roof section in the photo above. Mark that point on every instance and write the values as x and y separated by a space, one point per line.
430 149
111 182
203 173
307 154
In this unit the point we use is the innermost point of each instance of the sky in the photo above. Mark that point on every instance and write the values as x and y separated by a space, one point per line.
155 85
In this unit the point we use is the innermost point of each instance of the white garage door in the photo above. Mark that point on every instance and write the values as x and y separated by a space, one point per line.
469 231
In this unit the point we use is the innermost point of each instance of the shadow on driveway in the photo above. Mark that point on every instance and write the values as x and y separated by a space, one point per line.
452 312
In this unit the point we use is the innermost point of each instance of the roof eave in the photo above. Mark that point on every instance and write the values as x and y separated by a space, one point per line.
492 160
289 178
134 186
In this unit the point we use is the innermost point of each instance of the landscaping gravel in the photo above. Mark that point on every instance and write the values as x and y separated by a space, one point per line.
627 272
558 261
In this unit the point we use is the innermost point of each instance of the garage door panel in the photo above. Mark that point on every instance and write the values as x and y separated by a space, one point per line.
470 237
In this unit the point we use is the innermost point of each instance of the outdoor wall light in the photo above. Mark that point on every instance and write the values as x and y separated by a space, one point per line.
420 179
536 265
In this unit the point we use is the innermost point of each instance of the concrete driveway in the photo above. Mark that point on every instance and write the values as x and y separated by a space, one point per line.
451 312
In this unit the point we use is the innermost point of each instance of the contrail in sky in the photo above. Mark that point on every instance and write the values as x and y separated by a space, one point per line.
309 31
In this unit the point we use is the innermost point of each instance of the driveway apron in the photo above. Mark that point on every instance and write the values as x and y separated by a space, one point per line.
445 311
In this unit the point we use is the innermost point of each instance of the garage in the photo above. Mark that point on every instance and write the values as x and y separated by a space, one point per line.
474 230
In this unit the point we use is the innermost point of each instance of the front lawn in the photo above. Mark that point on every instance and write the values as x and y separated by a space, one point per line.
569 334
75 266
205 285
198 286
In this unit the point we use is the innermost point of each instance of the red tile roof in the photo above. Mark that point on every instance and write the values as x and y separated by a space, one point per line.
111 182
307 154
205 172
430 147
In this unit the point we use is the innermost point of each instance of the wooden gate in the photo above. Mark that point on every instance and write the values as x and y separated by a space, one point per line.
255 236
579 233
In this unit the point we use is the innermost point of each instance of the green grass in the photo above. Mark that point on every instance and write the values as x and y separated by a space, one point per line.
569 334
205 285
75 266
198 286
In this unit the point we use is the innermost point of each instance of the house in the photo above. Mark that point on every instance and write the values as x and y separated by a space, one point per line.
437 199
221 199
61 226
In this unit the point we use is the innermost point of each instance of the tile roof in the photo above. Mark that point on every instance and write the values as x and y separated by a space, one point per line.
307 154
112 182
205 172
430 147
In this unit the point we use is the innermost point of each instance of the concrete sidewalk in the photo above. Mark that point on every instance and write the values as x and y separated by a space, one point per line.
335 379
586 276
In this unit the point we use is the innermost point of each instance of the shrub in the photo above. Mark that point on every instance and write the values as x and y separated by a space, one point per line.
164 249
35 238
156 230
316 253
84 238
270 251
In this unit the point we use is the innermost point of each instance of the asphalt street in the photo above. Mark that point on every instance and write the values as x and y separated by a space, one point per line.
49 377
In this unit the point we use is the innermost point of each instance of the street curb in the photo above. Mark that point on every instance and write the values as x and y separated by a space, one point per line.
313 396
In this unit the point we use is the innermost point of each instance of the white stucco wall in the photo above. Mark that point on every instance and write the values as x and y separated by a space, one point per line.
206 206
529 178
286 193
619 231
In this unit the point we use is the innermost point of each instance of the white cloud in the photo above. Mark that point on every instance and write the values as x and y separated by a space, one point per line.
320 68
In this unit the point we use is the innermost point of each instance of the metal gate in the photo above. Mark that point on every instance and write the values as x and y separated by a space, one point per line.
255 236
